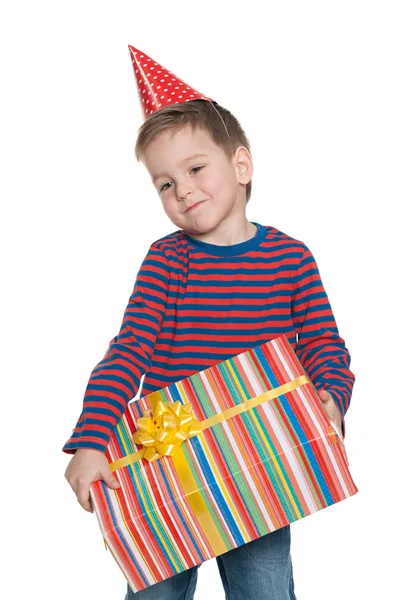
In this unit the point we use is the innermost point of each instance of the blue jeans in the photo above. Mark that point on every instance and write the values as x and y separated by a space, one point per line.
261 569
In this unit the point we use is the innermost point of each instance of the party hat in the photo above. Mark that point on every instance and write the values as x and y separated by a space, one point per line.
157 86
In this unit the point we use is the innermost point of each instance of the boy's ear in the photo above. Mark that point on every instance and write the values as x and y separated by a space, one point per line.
244 164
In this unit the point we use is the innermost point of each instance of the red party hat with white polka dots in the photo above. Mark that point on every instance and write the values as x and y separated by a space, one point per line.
157 86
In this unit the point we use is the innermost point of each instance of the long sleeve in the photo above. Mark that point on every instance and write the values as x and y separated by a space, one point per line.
320 348
116 378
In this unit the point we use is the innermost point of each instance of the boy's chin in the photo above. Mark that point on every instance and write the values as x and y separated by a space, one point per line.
198 230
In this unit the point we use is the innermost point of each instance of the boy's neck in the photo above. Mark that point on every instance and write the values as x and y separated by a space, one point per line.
227 238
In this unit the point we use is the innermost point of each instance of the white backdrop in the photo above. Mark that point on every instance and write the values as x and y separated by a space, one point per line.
316 88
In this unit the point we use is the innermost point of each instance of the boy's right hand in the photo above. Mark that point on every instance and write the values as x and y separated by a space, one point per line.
86 466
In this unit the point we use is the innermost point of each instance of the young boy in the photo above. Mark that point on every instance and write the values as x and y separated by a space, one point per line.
211 289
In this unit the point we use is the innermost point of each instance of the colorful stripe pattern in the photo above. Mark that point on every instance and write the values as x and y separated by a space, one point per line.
257 472
195 304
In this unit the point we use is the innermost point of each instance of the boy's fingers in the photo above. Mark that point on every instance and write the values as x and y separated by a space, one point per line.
110 480
83 493
84 500
87 506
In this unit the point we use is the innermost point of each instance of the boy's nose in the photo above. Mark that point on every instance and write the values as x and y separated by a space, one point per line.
183 192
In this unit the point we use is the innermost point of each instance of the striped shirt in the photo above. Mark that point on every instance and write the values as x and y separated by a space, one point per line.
195 304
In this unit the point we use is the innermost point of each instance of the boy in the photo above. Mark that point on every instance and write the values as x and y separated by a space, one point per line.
212 289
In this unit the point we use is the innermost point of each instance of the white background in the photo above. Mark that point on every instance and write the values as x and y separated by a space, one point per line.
316 88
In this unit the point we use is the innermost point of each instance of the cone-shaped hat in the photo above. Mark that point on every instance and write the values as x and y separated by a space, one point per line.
157 86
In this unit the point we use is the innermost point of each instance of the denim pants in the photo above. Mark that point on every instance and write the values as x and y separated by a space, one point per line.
258 570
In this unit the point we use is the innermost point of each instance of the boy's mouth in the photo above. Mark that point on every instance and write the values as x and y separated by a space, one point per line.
194 205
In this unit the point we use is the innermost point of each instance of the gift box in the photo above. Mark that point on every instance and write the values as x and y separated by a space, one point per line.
216 460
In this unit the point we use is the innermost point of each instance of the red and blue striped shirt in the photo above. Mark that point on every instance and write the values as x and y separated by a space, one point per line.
195 304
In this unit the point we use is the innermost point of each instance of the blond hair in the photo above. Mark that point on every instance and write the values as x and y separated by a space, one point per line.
223 128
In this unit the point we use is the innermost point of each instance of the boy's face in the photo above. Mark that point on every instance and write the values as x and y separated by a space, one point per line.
215 182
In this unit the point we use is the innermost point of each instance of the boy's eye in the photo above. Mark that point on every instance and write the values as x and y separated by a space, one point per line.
162 188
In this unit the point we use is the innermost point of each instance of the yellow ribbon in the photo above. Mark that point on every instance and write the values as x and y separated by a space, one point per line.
163 432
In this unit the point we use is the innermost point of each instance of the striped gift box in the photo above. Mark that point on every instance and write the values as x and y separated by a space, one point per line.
216 460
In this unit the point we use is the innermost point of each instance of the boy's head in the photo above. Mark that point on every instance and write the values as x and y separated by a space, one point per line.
220 180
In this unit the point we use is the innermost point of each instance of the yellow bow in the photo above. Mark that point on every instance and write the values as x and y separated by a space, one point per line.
163 432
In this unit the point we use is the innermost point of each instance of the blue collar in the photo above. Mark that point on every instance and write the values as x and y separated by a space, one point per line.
232 250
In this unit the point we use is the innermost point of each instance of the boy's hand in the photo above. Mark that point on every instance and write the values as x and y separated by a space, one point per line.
331 409
86 466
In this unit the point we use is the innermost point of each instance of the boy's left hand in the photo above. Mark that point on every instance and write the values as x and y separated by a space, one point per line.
331 409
